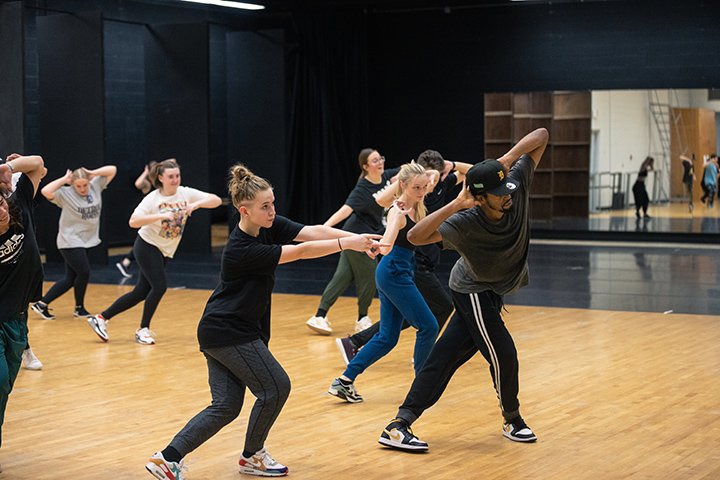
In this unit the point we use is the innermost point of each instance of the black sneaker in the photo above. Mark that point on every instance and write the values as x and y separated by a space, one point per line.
42 310
345 391
81 312
347 349
518 431
398 435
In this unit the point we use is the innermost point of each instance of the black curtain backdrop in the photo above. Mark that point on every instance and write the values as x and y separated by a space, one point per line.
72 111
328 113
177 97
11 79
256 109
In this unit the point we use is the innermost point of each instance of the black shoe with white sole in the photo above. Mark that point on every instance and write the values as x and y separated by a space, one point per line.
42 310
518 431
398 435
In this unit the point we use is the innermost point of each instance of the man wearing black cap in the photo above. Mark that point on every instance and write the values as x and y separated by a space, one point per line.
487 224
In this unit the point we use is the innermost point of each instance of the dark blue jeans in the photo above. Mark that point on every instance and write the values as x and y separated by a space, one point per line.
399 300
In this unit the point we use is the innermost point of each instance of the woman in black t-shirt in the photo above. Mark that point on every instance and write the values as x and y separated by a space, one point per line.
21 272
688 178
235 327
363 215
642 200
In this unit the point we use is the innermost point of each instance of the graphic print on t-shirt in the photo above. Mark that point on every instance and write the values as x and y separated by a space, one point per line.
88 213
173 228
11 249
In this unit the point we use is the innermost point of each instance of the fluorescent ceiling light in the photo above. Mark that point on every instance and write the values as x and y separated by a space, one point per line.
229 4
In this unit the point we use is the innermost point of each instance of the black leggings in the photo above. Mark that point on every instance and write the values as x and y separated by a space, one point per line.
77 276
641 197
151 285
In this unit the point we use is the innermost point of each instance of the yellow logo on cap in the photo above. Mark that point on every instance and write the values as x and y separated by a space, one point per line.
501 174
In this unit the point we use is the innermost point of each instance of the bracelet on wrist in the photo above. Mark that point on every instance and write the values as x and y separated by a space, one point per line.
12 170
339 244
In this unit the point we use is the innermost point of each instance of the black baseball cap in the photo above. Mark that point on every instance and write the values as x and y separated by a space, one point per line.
489 176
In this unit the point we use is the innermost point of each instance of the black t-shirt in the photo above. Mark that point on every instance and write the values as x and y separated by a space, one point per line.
688 172
428 256
367 214
21 272
238 311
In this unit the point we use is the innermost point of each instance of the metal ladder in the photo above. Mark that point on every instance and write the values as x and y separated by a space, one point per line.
665 118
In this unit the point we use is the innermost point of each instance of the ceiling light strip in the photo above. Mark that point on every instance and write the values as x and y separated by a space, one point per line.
229 4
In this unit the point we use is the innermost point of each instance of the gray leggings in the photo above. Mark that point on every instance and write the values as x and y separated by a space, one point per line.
230 370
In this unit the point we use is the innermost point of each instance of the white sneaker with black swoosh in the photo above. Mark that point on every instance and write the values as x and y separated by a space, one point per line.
398 435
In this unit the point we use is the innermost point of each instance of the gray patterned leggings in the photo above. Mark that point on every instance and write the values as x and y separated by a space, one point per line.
230 370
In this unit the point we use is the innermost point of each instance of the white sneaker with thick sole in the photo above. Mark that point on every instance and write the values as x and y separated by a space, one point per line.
99 326
320 325
363 324
144 336
164 470
262 464
30 361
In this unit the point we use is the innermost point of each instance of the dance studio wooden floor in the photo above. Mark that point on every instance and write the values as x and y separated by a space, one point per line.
664 210
611 395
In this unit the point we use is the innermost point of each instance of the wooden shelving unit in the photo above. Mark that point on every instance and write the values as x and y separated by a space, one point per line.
560 185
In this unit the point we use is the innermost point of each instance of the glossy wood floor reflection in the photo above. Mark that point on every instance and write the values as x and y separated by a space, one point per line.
611 395
665 210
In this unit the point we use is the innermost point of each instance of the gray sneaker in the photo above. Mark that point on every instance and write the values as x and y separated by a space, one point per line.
346 392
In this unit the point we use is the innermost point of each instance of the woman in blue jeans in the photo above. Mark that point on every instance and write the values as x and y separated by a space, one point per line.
399 297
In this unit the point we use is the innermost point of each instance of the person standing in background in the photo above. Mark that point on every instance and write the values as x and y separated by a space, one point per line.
710 179
642 200
688 177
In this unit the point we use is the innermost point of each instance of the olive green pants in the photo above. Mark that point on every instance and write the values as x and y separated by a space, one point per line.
355 266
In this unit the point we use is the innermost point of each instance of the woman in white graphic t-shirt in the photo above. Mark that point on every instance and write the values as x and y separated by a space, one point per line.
79 194
161 218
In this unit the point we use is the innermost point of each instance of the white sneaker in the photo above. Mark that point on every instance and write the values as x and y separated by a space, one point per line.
30 361
320 325
144 336
123 270
164 470
363 324
262 464
99 326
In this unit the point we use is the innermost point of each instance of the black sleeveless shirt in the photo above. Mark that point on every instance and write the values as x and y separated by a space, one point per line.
401 240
